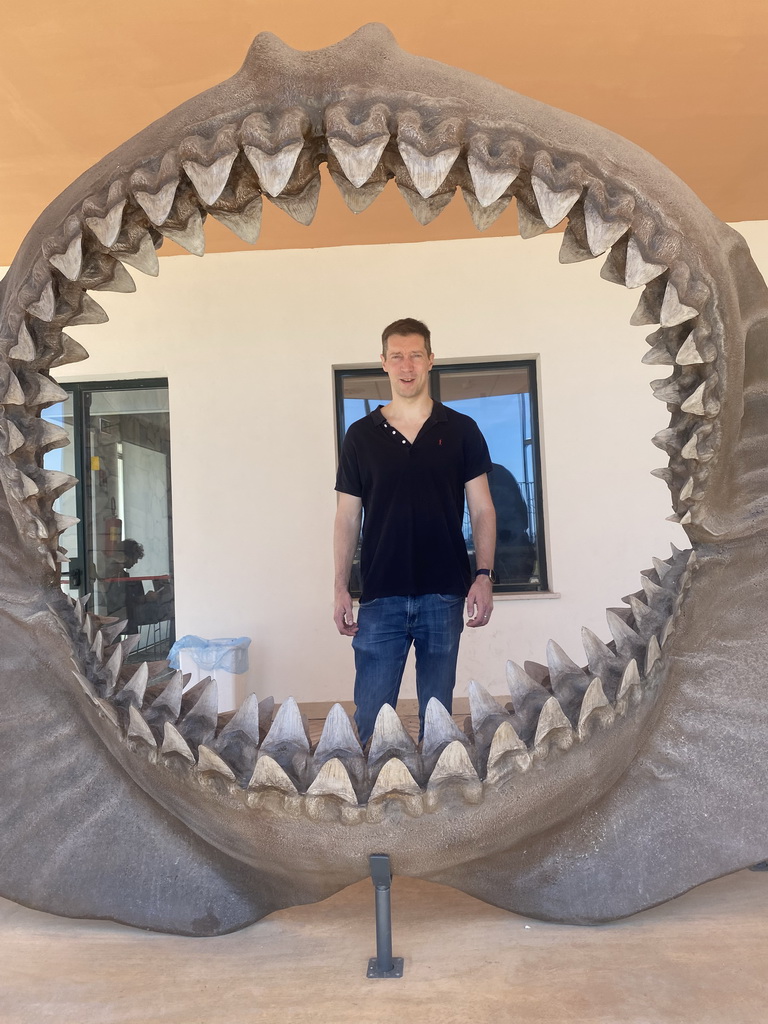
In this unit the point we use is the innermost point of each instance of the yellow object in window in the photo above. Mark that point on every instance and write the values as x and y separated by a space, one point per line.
95 464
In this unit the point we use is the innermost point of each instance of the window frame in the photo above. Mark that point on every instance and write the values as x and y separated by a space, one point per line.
444 366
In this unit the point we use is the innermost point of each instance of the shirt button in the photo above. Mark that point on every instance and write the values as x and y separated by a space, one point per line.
402 442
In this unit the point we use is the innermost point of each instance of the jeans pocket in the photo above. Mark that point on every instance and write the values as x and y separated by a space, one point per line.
450 598
367 604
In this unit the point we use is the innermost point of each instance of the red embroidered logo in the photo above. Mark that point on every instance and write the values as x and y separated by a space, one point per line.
440 441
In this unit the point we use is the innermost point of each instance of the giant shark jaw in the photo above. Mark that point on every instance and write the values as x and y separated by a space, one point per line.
596 791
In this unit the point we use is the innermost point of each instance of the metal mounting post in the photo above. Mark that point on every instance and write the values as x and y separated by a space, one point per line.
383 965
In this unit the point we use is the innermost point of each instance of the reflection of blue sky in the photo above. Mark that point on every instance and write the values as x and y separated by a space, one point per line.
54 414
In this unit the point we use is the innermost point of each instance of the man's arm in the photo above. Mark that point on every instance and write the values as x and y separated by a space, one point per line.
346 533
483 518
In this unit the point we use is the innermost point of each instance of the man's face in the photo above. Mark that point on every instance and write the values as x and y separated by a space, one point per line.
407 365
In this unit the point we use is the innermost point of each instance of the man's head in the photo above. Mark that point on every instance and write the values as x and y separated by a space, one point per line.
407 357
132 551
403 328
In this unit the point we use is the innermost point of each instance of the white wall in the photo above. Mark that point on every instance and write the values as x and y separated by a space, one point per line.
248 340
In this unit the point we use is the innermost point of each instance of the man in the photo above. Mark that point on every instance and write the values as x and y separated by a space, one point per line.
407 467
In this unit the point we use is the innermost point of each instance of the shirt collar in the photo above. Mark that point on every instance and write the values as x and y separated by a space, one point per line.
438 415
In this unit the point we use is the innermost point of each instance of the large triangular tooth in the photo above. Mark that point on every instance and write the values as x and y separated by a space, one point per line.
598 654
71 352
358 162
648 308
690 450
245 720
553 206
112 630
572 248
454 769
425 210
62 523
553 725
642 613
107 228
138 728
482 706
601 234
70 262
53 481
79 609
174 743
269 775
89 629
439 728
113 667
626 639
560 664
529 223
144 258
661 567
246 223
358 199
489 185
393 778
119 280
44 307
538 672
266 712
90 312
668 630
652 655
167 705
338 735
658 355
668 440
199 724
302 207
97 647
209 761
688 354
191 237
333 780
427 172
614 268
15 438
209 181
638 270
158 205
695 404
130 644
507 755
528 696
630 678
274 169
595 706
46 391
568 680
389 734
133 691
484 216
24 350
653 591
287 729
673 311
13 393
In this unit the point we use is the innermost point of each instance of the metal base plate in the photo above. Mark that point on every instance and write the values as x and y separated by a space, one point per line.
396 972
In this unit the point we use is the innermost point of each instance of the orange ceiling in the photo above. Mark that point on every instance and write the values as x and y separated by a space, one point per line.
685 79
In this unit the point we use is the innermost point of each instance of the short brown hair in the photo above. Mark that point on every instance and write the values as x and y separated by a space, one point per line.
406 326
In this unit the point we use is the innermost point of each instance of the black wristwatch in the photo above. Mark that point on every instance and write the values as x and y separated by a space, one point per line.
487 572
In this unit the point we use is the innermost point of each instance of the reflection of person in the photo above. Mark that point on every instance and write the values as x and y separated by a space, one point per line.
515 554
404 470
125 596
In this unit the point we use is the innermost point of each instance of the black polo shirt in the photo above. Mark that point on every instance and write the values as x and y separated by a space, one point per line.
413 501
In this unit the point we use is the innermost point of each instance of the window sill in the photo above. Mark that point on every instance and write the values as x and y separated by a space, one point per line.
533 595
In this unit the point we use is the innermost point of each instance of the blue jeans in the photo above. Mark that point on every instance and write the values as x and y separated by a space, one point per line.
387 628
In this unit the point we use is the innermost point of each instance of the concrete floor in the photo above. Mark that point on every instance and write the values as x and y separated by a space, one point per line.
699 959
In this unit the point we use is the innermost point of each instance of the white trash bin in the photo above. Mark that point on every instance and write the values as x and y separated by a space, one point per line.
224 659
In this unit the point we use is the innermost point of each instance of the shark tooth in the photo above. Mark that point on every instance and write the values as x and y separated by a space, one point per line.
425 210
112 630
389 734
661 567
119 281
507 754
358 199
90 312
594 707
24 350
301 207
649 307
97 647
482 706
552 721
538 672
600 658
199 724
138 728
529 223
132 694
528 695
687 489
688 355
191 237
641 612
673 311
86 684
274 169
107 228
209 181
144 258
601 234
572 247
13 394
626 639
79 609
54 482
287 729
71 352
113 667
489 185
174 743
158 205
453 769
689 450
358 162
15 438
668 440
652 654
638 270
337 736
666 389
394 783
46 391
695 403
484 216
553 206
89 629
70 262
44 306
652 590
658 355
569 681
246 224
333 780
167 706
269 775
439 728
427 172
630 678
245 720
209 761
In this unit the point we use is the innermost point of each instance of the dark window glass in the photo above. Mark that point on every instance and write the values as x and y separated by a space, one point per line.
501 398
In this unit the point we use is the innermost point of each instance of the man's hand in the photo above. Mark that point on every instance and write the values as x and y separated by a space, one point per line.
343 615
480 602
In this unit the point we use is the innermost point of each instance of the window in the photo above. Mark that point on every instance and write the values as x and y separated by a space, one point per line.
501 398
121 551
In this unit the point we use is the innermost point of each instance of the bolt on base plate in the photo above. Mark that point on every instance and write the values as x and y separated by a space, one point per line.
396 970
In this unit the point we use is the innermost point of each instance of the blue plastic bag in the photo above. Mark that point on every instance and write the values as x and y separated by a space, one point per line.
228 654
